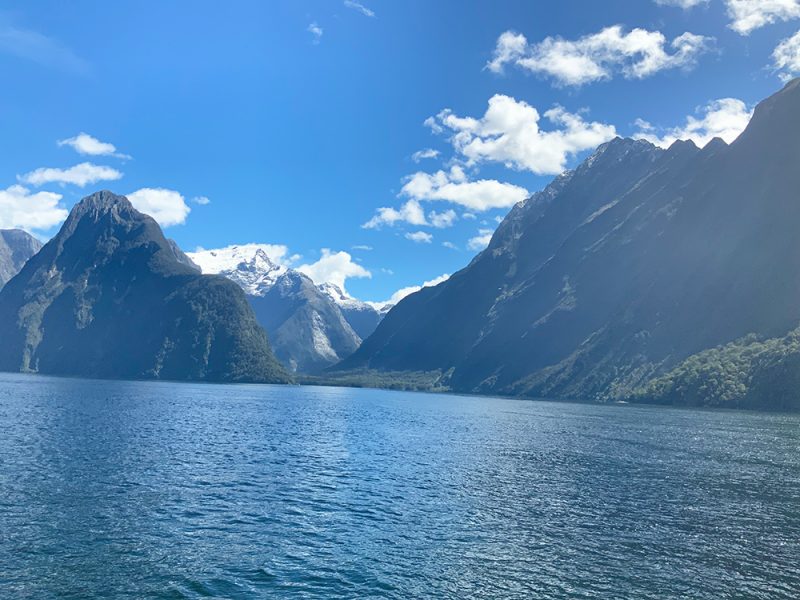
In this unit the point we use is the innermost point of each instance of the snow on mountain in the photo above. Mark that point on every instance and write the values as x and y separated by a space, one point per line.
249 265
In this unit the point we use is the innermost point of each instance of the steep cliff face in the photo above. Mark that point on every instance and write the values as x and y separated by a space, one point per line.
619 270
109 297
16 248
307 329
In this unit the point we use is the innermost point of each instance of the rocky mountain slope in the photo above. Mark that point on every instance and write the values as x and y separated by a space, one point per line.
310 327
109 296
361 316
618 271
16 248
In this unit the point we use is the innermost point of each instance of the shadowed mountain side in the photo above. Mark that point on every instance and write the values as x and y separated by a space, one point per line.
618 270
107 297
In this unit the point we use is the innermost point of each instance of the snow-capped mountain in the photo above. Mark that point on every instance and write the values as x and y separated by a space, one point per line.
362 316
310 326
249 265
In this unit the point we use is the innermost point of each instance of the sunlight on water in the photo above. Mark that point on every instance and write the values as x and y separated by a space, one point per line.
132 490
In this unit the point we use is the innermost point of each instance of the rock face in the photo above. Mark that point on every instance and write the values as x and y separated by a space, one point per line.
361 316
310 327
619 271
307 329
108 297
16 248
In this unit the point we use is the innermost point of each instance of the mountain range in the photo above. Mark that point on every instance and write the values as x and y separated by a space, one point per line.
109 296
645 274
660 275
310 326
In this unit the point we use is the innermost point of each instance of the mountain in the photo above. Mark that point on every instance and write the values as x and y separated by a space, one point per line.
621 271
361 316
108 297
308 329
16 248
248 265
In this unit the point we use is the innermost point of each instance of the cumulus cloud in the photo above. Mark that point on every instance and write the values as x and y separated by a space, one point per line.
407 291
453 186
480 241
19 208
786 57
684 4
510 132
442 219
450 245
599 56
749 15
725 118
83 143
315 31
423 154
334 267
81 175
359 7
201 200
167 207
411 212
420 237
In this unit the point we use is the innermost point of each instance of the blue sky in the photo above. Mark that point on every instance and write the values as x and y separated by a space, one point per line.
299 120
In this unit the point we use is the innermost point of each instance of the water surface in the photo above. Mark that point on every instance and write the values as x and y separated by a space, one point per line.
161 490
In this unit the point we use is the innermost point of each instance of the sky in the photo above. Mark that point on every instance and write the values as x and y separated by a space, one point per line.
374 143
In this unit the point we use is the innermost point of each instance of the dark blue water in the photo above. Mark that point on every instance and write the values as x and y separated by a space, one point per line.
158 490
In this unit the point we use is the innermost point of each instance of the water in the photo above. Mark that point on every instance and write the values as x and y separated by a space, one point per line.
159 490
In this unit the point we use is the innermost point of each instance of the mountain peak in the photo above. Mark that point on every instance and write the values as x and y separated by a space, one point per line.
249 265
102 201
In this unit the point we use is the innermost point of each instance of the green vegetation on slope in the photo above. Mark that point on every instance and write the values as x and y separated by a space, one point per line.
747 373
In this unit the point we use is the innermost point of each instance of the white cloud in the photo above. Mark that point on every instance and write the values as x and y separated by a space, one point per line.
599 56
469 215
407 291
725 118
452 186
334 267
83 143
422 154
19 208
359 7
362 247
411 212
420 237
786 57
442 219
167 207
480 241
201 200
684 4
315 31
748 15
450 245
509 132
80 175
